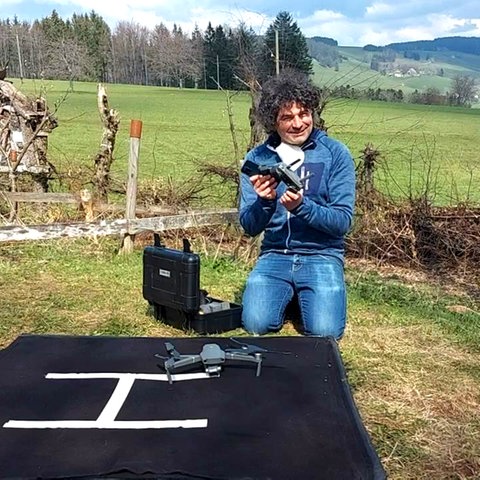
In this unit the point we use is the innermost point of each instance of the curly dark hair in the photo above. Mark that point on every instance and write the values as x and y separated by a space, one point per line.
283 90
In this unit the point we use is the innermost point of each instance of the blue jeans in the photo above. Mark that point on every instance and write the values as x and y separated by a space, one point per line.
319 283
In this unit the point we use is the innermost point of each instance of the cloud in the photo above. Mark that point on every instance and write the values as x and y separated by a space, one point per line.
149 13
380 9
351 22
448 25
326 16
324 23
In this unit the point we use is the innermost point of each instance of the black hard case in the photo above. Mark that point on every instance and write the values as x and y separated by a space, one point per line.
171 284
171 278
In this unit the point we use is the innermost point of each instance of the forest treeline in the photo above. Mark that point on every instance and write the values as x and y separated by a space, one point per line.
85 48
469 45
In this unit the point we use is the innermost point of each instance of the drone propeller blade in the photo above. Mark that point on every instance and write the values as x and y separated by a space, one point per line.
294 163
251 349
306 177
245 348
172 352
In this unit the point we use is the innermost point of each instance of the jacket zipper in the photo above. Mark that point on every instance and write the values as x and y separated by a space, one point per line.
287 240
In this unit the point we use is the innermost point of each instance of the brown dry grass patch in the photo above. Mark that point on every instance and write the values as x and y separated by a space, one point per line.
420 399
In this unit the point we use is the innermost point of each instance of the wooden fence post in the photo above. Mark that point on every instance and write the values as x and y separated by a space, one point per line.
131 201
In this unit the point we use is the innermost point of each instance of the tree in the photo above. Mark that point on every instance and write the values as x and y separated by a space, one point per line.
93 33
209 57
129 53
293 51
158 54
463 90
63 56
182 61
246 55
174 57
218 57
197 51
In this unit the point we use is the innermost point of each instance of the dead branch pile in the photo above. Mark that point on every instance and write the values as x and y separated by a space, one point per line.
24 127
418 234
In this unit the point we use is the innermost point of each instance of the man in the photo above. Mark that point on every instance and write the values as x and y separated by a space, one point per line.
302 251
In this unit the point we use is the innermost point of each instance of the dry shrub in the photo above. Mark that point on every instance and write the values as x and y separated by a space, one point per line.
74 178
415 233
382 232
177 195
223 182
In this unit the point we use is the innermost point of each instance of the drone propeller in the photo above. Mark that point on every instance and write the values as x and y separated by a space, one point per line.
245 348
172 351
249 349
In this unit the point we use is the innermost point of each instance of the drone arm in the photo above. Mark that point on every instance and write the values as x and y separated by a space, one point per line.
184 361
257 358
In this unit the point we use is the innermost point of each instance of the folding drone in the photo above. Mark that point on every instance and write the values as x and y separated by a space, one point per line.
212 357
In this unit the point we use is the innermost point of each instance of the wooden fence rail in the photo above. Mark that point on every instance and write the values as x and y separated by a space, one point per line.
97 207
16 233
41 197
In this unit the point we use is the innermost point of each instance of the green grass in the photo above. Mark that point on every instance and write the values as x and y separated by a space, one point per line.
401 304
185 128
178 126
412 363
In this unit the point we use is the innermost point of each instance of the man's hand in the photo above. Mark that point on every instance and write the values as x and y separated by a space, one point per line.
264 186
291 199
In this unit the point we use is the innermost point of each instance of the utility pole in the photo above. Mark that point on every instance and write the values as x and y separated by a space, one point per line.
204 74
19 58
145 66
114 68
218 74
277 54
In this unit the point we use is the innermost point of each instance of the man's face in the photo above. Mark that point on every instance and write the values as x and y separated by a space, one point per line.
294 123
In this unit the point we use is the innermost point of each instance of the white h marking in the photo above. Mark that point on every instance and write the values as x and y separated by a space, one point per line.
106 419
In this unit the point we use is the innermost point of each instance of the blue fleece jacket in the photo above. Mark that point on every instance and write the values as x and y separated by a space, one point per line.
320 222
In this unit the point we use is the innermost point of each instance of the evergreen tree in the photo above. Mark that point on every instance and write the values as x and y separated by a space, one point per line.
210 57
197 51
63 57
98 45
220 47
293 49
218 57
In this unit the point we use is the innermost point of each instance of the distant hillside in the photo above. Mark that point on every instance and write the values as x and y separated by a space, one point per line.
324 50
409 66
326 41
469 45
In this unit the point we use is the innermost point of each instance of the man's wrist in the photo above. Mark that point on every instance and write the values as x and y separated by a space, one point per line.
266 201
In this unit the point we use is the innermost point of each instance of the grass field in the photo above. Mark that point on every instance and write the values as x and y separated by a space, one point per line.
411 348
182 127
412 345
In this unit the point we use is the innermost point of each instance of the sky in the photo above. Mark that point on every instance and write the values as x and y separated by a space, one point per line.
350 22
